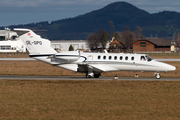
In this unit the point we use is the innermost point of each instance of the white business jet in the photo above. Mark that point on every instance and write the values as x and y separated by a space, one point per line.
93 64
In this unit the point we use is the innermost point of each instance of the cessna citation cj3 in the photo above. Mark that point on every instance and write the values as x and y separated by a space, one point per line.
93 64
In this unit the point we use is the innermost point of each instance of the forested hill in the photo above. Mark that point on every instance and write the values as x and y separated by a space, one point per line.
122 14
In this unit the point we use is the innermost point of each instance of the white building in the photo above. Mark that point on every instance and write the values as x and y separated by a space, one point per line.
9 43
7 35
63 45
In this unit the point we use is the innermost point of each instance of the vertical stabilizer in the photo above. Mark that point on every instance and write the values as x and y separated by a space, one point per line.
34 43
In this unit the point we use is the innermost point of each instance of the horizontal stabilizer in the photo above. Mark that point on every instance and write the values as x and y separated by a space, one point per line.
20 31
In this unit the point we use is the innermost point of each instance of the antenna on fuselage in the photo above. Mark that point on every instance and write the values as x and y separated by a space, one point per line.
105 51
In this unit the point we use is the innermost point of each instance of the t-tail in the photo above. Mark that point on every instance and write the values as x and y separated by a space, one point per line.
34 43
38 47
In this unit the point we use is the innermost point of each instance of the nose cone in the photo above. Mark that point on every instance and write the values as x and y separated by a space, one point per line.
164 67
170 68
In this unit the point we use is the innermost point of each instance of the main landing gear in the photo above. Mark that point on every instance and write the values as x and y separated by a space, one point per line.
91 75
158 76
97 75
90 72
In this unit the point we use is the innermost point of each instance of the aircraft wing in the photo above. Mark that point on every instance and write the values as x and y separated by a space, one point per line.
96 67
103 67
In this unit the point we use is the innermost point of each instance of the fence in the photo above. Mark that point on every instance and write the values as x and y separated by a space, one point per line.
14 53
158 53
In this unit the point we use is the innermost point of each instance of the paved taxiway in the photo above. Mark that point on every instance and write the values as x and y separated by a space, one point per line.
14 77
31 59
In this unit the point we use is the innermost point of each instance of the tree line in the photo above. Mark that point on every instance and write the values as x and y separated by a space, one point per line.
120 41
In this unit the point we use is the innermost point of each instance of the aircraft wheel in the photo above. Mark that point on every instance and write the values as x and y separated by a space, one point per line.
88 76
96 75
158 76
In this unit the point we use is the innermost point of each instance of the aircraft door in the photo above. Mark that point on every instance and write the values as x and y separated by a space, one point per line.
90 59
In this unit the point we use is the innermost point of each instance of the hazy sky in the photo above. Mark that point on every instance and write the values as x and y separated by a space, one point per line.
15 12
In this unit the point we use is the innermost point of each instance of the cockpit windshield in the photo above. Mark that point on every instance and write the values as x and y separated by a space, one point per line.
148 58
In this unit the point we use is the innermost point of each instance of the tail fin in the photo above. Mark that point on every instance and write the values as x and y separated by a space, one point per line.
34 43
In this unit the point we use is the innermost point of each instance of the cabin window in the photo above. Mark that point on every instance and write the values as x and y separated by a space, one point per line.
104 57
110 57
126 58
121 58
132 58
143 58
115 57
99 57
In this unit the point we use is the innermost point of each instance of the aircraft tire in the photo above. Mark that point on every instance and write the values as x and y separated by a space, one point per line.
88 76
96 75
158 76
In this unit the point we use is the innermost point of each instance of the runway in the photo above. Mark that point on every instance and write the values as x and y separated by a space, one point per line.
79 78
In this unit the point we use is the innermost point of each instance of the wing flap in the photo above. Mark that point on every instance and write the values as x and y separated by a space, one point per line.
96 68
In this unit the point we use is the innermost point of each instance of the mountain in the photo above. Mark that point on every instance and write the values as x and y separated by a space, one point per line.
122 14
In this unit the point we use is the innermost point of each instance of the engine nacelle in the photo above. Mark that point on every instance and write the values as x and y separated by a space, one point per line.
70 55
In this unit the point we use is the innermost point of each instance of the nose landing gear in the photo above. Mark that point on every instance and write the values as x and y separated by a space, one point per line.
158 76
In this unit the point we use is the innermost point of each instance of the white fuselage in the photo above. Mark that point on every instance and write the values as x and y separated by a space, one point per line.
103 62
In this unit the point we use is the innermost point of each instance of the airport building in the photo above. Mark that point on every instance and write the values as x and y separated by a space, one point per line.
9 42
